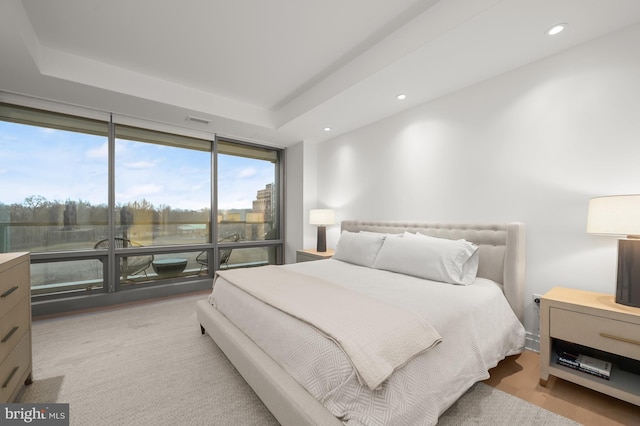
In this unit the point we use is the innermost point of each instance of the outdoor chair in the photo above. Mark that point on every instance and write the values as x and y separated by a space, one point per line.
129 265
225 253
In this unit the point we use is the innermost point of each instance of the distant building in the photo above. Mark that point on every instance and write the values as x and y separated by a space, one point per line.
264 202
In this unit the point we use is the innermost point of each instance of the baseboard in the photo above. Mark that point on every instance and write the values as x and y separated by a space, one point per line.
532 342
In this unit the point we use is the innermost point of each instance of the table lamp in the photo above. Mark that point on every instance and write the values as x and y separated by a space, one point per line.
321 218
620 215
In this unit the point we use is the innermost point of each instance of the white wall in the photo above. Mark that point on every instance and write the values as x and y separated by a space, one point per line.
294 192
532 145
310 199
301 195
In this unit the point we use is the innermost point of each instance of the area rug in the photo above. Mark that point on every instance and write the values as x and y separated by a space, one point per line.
148 364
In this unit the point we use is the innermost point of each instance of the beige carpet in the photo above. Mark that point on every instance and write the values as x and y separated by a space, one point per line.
148 364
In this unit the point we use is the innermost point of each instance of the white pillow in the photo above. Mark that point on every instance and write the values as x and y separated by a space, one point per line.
360 248
438 259
385 235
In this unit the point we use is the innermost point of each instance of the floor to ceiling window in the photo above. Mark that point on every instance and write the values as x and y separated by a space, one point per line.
163 199
54 176
248 203
105 207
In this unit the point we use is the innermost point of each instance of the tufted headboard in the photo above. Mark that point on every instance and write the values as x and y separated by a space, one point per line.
501 249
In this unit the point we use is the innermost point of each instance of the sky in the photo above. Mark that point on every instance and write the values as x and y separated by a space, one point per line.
61 165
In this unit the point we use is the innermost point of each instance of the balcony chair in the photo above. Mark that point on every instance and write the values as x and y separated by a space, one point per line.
225 253
134 264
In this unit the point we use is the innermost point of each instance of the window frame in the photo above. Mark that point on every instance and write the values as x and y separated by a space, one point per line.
112 290
278 182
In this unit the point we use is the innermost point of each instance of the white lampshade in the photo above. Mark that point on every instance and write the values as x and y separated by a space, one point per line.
620 215
322 217
614 215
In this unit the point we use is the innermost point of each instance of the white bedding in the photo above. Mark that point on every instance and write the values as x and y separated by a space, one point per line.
476 323
378 337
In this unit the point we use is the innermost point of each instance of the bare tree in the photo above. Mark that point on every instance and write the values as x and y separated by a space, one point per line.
33 203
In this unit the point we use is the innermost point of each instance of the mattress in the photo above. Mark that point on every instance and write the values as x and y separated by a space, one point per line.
476 323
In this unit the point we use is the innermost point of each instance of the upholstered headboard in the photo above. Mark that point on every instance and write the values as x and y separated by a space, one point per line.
501 249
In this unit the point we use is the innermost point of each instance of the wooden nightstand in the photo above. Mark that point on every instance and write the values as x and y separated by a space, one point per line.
313 254
596 322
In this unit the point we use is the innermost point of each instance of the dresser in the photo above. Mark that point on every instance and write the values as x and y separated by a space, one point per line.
313 254
594 321
15 324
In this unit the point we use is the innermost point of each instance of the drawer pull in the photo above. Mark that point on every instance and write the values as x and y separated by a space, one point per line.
621 339
13 373
8 292
9 334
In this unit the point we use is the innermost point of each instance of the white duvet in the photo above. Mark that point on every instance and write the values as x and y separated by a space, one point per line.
378 337
477 326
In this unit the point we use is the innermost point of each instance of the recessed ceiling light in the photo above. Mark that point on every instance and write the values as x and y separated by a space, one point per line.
401 96
327 129
557 29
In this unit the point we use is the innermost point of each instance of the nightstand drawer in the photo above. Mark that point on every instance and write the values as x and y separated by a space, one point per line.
606 334
305 257
311 255
13 326
14 286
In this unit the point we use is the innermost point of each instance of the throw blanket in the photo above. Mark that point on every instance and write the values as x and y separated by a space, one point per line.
376 336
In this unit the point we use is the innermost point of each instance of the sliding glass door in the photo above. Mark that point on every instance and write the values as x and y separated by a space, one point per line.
162 199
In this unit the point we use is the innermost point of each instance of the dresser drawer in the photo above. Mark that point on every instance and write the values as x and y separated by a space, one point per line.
606 334
15 368
14 286
13 326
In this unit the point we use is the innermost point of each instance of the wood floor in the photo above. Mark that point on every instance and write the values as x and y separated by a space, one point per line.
519 375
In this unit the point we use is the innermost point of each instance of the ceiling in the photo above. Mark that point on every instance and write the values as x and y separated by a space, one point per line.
279 71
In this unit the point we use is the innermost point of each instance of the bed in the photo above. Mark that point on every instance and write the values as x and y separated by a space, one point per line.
418 391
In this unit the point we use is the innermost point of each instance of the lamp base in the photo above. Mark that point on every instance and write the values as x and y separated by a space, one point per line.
628 286
321 245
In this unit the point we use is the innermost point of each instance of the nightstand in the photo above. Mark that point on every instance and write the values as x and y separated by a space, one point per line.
313 254
608 330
